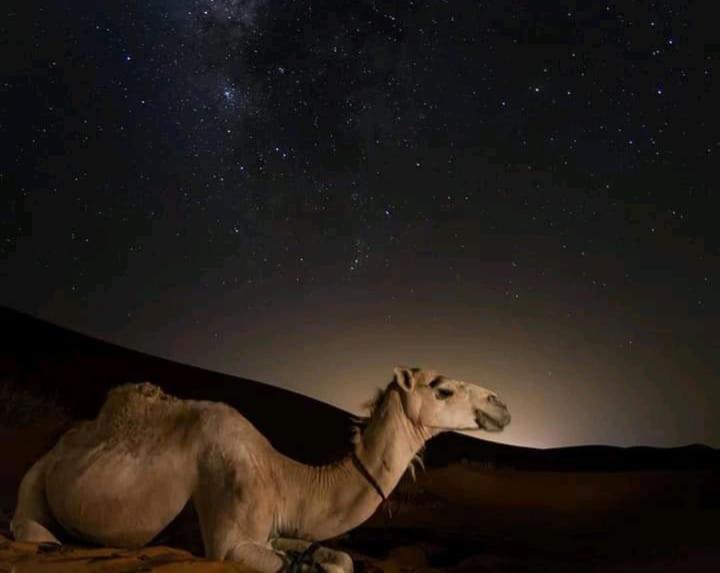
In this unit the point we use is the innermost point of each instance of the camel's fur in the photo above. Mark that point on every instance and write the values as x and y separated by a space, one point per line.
120 479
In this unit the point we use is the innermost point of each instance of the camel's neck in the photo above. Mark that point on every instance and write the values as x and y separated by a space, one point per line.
329 500
389 443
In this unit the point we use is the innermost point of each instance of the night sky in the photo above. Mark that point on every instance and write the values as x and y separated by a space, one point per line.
518 194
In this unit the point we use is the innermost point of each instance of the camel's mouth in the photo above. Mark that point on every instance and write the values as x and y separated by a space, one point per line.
490 423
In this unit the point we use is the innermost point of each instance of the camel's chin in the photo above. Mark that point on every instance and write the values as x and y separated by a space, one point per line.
489 424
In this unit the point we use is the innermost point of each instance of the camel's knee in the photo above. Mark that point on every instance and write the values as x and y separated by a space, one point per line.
24 529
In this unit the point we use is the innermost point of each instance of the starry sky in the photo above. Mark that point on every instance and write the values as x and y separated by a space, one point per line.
517 194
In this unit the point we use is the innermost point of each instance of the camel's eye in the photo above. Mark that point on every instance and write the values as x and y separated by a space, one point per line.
444 393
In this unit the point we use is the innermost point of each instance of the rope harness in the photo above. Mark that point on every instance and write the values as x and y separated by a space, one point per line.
300 558
360 467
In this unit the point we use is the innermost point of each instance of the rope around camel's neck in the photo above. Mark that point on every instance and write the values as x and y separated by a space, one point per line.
388 445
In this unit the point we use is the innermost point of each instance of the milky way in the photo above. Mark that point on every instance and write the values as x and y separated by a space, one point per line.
310 193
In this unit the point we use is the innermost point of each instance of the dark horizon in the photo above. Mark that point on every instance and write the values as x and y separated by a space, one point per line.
311 194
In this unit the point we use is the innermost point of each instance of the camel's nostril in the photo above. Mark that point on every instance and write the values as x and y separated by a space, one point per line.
492 399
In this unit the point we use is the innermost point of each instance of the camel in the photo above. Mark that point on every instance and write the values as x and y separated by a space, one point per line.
120 479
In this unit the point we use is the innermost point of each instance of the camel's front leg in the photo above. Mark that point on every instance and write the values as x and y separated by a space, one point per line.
328 560
238 532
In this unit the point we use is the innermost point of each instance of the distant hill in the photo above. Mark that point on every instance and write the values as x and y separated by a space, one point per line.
50 376
451 448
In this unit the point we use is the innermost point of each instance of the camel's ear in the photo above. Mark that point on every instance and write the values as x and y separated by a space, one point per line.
404 378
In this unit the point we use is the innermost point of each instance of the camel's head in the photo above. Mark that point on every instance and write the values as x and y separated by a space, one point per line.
441 403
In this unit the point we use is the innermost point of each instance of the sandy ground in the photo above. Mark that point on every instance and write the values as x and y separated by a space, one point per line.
31 558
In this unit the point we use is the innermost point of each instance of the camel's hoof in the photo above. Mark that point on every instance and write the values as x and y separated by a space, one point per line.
331 568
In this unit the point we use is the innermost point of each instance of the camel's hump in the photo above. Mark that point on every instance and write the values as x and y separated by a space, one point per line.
130 402
144 390
132 393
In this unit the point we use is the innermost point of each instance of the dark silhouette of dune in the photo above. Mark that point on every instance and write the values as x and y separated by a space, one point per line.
451 448
54 368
